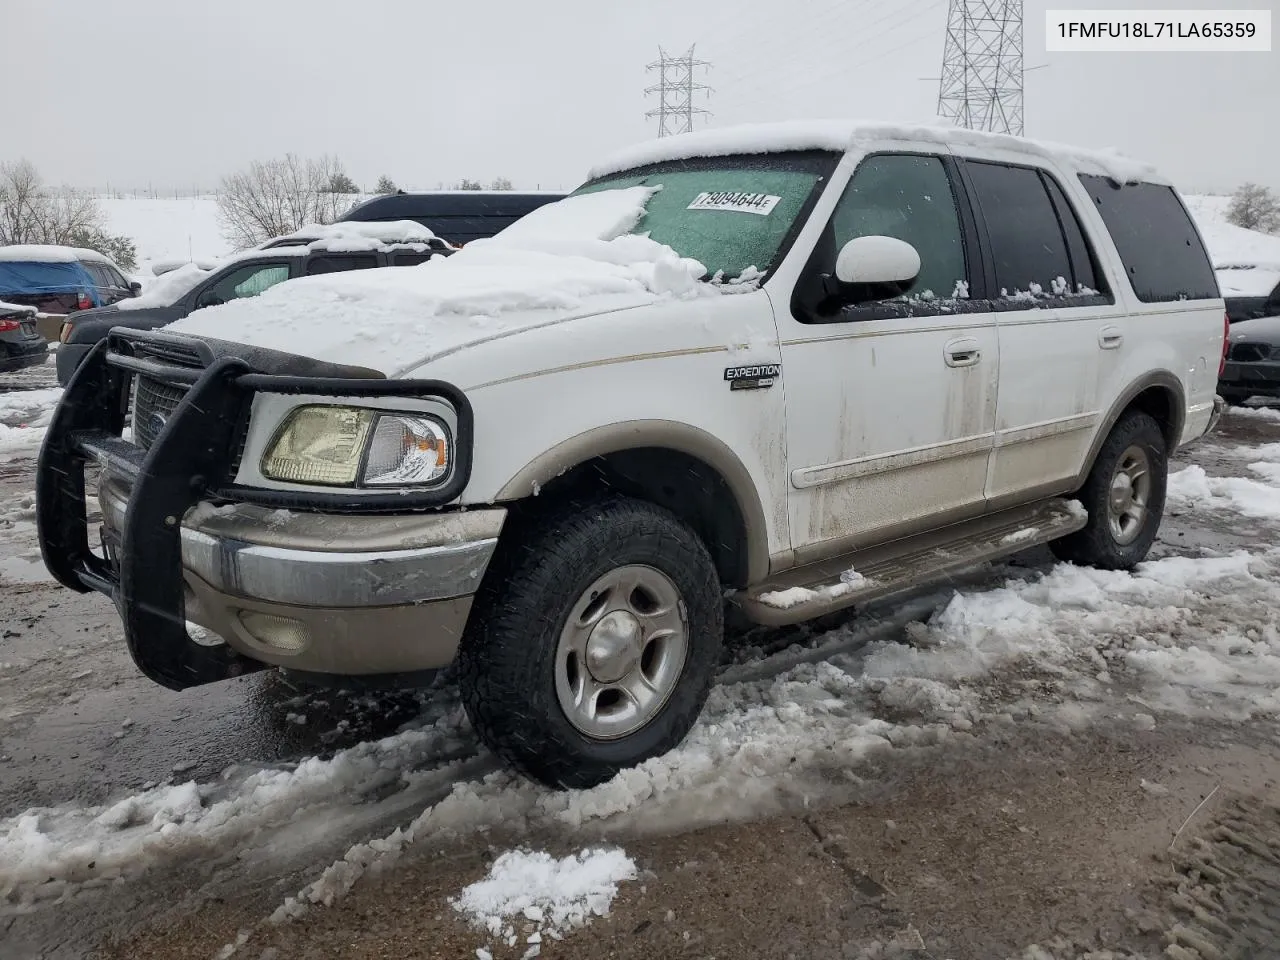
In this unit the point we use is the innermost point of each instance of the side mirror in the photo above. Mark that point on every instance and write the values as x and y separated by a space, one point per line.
135 287
877 260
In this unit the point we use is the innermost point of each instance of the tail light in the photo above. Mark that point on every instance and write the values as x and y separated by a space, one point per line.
8 326
1226 334
83 302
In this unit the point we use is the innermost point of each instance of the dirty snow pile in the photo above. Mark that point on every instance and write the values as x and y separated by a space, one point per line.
20 560
570 258
24 416
1179 636
46 853
527 896
1255 499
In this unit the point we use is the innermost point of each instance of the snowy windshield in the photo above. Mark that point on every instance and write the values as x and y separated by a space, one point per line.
733 215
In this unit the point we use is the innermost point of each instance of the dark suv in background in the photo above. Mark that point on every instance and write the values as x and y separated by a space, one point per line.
191 287
458 216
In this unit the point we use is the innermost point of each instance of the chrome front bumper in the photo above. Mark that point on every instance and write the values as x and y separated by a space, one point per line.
351 595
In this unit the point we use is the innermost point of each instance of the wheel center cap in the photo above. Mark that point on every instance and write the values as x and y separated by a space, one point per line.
613 649
1121 492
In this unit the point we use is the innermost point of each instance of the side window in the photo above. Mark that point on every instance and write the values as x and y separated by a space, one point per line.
247 281
1086 278
1027 241
117 279
339 264
909 198
98 272
409 259
1156 240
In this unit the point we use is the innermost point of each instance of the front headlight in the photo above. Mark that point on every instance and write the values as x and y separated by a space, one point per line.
341 446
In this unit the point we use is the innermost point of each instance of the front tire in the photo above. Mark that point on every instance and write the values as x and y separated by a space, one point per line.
1124 495
593 641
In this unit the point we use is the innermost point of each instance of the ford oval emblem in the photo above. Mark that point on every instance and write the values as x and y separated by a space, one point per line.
157 422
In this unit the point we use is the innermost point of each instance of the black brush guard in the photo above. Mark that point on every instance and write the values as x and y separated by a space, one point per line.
143 575
188 461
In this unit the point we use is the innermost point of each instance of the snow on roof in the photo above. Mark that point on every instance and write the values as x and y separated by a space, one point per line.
371 233
842 135
49 253
15 308
1248 279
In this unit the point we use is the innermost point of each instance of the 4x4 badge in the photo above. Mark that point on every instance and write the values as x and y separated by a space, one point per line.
758 377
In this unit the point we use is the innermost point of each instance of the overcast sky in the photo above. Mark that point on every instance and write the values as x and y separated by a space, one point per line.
178 93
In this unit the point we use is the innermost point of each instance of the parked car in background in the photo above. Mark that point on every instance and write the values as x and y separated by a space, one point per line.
795 367
180 291
1252 368
58 280
20 342
457 216
1250 290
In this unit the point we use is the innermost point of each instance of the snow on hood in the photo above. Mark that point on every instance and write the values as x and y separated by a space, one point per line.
170 286
838 136
176 280
15 308
571 258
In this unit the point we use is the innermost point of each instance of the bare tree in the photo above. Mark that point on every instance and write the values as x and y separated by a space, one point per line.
1255 207
465 184
277 197
502 183
30 213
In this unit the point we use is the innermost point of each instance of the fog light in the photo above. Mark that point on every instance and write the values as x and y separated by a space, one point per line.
282 633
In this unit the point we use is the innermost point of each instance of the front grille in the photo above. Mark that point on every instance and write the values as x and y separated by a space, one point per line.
153 403
1250 352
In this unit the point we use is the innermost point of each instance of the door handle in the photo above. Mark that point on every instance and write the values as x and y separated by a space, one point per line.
962 353
1109 338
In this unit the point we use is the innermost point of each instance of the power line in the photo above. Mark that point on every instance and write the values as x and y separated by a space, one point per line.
982 68
675 88
774 90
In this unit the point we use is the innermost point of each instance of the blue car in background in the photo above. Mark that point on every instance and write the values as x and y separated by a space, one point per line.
59 280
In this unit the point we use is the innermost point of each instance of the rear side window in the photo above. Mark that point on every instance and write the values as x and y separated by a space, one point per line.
1085 276
1027 241
1157 242
99 274
409 259
336 264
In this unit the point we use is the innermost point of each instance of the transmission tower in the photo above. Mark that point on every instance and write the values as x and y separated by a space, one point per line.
981 86
675 88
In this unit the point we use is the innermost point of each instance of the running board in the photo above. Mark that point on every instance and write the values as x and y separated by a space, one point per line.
830 585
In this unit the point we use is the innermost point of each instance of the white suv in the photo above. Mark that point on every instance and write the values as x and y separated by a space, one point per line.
799 366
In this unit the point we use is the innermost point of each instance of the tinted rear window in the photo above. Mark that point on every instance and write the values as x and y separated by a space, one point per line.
1157 241
340 264
1027 242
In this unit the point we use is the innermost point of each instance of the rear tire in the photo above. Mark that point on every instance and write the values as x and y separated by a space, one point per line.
1124 495
593 641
